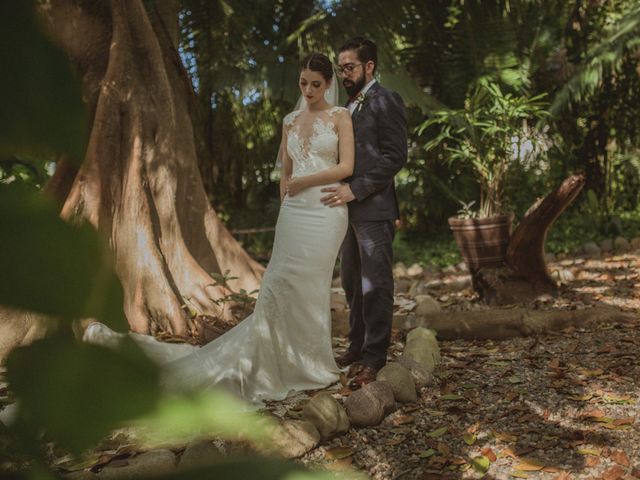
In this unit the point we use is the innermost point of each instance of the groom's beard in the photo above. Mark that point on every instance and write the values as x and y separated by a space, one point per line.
354 87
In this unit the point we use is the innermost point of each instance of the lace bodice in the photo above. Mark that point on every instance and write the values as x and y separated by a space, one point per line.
312 140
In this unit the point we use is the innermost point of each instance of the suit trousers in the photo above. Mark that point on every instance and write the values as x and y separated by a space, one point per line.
367 278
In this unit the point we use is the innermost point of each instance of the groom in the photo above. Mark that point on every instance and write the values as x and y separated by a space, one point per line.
380 128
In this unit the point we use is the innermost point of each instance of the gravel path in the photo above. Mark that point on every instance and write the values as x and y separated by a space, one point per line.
551 407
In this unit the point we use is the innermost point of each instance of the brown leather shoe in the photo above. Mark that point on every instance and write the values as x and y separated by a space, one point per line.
366 375
347 358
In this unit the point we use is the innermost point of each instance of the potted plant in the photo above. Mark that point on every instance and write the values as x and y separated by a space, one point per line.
489 134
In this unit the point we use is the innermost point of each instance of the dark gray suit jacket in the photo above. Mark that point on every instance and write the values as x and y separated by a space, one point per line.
380 128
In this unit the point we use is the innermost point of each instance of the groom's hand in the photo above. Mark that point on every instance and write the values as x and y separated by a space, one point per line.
337 195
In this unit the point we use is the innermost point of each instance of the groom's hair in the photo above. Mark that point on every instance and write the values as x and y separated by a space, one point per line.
318 62
365 49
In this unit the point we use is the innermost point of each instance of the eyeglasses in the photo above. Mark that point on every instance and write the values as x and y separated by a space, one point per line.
348 68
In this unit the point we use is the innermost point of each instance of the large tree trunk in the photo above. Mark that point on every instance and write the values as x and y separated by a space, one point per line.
140 184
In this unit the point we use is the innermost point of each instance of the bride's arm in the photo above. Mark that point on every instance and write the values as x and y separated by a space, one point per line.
346 154
286 166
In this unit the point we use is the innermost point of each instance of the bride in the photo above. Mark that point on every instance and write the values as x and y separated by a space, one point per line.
285 345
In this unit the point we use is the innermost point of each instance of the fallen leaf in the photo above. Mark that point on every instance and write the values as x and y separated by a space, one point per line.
603 420
625 421
495 363
505 436
529 465
581 398
473 428
507 452
592 461
451 396
511 395
519 474
487 452
613 473
427 453
338 453
469 438
437 432
481 464
436 413
620 458
395 441
551 470
590 451
617 399
595 413
403 419
444 449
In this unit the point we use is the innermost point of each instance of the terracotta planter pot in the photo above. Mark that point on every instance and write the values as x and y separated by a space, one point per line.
482 241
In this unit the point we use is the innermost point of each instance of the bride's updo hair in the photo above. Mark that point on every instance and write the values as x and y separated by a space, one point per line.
318 62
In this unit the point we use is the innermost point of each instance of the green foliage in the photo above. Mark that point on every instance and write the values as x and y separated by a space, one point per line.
49 259
182 418
76 392
434 251
488 133
42 109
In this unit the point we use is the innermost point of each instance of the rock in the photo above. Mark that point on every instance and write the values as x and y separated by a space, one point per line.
422 347
425 305
383 392
418 287
326 413
153 462
400 270
549 257
421 376
462 267
339 323
364 408
415 270
200 454
400 380
591 249
606 245
402 285
450 270
460 283
294 438
621 244
635 243
404 321
336 282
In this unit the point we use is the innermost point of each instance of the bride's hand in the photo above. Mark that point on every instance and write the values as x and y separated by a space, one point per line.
295 186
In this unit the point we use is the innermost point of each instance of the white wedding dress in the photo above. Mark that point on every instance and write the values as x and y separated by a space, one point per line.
285 345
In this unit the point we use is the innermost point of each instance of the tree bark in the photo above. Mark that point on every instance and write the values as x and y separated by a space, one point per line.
139 183
525 275
500 324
